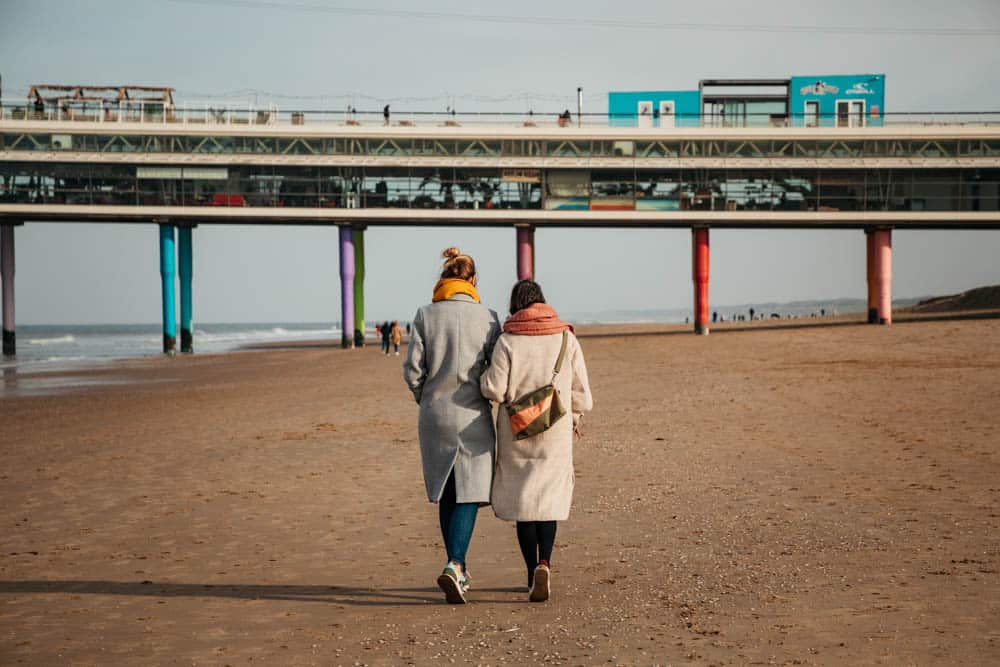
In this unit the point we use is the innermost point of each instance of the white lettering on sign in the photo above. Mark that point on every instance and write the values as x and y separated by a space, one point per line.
860 88
819 88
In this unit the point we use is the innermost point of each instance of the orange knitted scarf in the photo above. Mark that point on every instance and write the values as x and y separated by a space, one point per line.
538 319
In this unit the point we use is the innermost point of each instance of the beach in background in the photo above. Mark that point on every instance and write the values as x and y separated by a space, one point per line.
795 492
47 348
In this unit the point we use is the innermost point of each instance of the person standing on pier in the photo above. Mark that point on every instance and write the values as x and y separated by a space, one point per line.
450 344
533 482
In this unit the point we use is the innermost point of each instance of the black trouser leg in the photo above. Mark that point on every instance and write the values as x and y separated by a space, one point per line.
527 538
446 507
546 532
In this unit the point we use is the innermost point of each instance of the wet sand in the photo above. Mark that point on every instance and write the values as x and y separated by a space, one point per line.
788 494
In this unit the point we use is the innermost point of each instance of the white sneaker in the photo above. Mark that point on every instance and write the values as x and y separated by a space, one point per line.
451 582
540 584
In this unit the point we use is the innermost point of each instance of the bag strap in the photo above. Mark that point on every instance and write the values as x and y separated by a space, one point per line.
562 353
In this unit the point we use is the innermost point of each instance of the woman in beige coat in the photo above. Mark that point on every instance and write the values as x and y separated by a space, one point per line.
533 478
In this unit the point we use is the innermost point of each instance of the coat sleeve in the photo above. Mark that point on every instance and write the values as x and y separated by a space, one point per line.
494 336
581 400
415 366
493 383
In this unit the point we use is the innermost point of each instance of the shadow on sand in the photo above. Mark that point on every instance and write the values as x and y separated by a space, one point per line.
364 597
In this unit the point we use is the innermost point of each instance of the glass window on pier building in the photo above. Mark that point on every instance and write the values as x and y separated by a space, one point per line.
624 189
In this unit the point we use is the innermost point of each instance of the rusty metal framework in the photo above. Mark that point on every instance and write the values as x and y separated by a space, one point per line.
114 95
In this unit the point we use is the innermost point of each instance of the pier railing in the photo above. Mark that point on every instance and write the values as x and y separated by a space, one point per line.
270 116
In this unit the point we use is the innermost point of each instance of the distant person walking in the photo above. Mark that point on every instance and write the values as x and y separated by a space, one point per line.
385 114
396 334
450 344
386 335
533 482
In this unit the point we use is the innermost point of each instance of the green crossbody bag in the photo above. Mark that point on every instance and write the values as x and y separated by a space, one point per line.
536 411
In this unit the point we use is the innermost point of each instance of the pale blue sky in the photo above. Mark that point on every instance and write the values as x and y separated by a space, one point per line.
104 273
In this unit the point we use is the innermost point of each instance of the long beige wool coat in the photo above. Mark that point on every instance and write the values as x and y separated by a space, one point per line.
533 478
450 344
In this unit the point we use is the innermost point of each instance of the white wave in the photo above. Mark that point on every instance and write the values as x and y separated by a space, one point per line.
51 341
262 334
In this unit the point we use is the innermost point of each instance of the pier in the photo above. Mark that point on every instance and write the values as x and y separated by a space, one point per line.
151 162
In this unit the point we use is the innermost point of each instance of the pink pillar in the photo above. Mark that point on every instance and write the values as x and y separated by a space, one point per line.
525 253
870 268
699 275
883 275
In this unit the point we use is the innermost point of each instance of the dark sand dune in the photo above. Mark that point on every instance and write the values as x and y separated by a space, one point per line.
980 298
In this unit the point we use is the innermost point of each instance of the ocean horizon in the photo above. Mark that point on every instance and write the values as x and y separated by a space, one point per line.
54 346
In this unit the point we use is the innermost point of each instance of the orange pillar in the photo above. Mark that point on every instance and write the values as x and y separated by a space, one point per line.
699 275
883 275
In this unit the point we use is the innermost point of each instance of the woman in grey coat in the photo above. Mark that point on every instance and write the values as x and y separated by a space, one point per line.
450 345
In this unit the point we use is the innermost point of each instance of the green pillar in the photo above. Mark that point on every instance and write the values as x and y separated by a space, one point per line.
359 287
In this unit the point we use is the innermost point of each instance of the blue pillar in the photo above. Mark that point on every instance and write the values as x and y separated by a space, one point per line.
185 261
347 286
168 274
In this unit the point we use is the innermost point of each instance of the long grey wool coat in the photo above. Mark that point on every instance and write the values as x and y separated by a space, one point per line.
534 477
450 345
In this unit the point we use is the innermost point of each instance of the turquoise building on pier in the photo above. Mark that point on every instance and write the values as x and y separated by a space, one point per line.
842 100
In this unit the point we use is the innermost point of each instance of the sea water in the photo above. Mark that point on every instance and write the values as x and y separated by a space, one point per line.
52 347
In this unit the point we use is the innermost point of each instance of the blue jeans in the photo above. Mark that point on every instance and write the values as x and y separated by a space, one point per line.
457 522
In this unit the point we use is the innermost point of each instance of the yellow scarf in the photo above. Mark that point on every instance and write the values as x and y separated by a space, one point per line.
449 287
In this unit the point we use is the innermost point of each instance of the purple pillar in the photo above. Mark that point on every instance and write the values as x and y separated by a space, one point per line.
7 271
347 286
525 253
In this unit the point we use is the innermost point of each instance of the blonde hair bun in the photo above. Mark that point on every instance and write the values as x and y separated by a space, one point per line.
457 265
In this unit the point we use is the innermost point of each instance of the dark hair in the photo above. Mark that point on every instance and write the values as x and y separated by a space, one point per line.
525 293
457 265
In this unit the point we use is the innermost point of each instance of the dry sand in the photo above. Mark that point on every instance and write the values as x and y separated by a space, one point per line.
800 495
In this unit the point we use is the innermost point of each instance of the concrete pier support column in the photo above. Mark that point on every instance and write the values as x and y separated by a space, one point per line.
883 275
699 274
168 276
347 286
870 273
359 286
7 277
185 261
525 253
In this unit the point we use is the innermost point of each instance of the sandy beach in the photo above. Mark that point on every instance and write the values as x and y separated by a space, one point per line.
770 494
